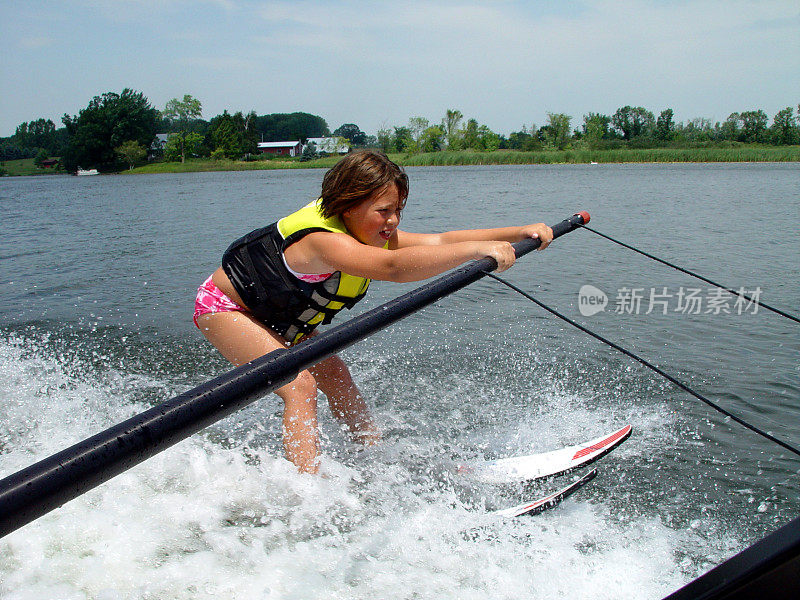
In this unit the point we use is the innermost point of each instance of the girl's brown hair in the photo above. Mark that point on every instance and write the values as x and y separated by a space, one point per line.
357 177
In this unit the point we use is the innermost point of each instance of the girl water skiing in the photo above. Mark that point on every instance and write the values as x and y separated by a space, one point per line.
276 284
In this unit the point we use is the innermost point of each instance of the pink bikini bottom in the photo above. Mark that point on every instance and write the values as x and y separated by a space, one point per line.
211 299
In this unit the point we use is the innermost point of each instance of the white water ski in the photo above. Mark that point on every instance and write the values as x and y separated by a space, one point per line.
545 464
533 507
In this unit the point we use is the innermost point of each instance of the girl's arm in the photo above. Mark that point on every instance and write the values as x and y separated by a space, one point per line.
322 252
407 239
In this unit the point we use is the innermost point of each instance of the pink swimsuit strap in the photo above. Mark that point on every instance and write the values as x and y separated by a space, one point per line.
307 277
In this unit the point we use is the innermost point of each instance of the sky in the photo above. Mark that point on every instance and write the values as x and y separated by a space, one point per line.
377 64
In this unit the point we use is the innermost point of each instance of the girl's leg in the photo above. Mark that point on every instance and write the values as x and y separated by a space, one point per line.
345 400
241 338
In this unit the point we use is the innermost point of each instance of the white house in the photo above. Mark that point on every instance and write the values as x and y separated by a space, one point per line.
329 145
158 145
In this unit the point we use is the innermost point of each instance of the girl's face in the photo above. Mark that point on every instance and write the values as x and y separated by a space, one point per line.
375 220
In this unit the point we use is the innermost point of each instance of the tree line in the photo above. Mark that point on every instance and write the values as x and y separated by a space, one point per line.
118 130
629 126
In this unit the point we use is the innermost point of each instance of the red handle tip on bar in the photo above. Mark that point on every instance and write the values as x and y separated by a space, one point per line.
584 215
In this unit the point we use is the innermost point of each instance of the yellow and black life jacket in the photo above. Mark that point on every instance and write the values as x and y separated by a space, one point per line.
254 264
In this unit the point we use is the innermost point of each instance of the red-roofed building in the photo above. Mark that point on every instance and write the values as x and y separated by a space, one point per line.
286 148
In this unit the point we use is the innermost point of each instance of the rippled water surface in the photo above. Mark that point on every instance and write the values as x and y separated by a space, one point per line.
97 279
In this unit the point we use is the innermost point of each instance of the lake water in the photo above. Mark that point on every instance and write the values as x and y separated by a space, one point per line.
97 281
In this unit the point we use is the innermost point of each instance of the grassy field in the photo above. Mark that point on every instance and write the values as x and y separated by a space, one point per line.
194 165
25 166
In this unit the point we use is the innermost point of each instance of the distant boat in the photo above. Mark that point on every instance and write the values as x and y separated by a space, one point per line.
87 172
593 163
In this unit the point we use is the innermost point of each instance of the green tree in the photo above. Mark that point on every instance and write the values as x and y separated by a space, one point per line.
108 122
784 130
416 127
432 139
224 137
632 121
384 140
518 140
352 133
698 129
40 158
183 112
402 139
478 137
282 127
176 147
470 136
309 152
9 151
558 134
247 127
487 139
754 126
665 125
731 128
40 133
233 136
32 136
131 152
452 120
526 140
596 127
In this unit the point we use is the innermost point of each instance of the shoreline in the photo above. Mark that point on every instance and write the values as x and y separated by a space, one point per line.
776 154
745 154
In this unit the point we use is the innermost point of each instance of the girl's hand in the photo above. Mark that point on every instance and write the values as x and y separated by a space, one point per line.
541 231
502 252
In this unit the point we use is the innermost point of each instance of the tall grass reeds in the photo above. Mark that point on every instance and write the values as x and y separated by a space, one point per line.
618 155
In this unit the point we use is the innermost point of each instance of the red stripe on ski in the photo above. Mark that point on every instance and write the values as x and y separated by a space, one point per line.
550 501
539 502
602 444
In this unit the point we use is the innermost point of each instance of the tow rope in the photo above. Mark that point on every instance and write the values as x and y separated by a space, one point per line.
739 293
649 365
